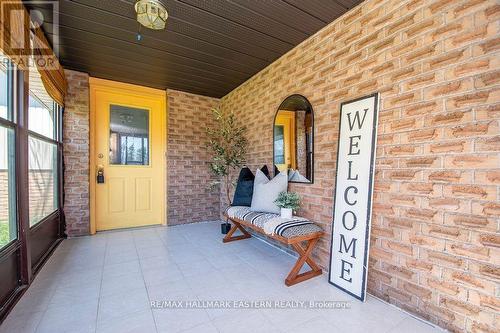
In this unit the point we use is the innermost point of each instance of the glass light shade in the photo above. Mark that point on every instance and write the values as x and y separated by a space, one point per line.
151 14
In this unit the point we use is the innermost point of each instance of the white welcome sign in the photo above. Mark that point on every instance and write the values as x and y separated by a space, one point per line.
353 195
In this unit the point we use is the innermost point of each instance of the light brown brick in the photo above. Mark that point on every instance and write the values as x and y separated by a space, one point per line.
471 191
471 221
488 144
442 231
444 286
467 37
487 177
445 60
459 306
490 240
420 135
487 79
469 280
443 259
486 47
468 250
413 289
488 271
448 89
435 65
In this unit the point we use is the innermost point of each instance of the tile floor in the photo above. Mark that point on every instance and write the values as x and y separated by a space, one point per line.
104 283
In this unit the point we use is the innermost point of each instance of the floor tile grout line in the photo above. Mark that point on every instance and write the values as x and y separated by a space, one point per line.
406 313
145 285
185 278
141 240
399 309
48 305
395 325
100 286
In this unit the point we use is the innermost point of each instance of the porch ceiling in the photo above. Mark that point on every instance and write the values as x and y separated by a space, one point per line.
208 47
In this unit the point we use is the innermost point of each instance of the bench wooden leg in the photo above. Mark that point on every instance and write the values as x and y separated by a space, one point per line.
294 277
229 236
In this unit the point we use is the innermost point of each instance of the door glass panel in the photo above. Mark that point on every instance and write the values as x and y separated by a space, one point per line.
128 136
42 175
8 227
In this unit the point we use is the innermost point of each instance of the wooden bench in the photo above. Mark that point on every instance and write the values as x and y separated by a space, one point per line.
304 253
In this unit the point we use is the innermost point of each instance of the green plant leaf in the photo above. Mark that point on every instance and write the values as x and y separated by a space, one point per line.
227 146
288 200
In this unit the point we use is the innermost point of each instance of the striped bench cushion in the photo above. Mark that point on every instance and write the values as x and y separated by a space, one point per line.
297 226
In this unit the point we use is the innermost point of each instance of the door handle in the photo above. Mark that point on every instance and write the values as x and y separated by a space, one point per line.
100 174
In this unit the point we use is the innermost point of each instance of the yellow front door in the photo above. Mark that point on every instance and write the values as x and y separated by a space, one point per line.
128 140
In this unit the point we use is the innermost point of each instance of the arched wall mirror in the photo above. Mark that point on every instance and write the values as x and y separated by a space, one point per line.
293 138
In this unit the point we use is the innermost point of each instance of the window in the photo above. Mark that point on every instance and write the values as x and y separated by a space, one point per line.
4 92
42 174
128 136
8 221
30 172
43 124
41 117
8 229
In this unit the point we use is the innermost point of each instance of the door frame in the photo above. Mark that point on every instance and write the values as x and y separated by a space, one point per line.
108 86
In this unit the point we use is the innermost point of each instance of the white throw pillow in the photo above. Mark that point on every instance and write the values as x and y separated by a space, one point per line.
297 177
265 191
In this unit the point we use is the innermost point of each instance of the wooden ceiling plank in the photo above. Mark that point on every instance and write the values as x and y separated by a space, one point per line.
99 42
247 17
194 30
349 4
178 32
326 10
145 67
139 76
94 69
210 21
213 55
244 70
219 39
209 46
286 14
159 63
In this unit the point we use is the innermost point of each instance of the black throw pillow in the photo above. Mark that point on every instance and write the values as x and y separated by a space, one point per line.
244 188
265 170
276 170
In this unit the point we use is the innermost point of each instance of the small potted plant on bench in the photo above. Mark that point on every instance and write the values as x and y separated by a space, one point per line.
288 202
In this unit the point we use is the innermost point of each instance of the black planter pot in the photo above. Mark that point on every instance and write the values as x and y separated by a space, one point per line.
224 228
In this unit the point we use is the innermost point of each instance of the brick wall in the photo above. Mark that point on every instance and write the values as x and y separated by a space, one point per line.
435 229
188 176
188 198
76 154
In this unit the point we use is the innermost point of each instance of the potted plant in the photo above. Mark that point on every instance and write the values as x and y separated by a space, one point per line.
227 145
288 202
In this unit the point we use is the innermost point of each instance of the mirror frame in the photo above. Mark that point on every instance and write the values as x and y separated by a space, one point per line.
311 181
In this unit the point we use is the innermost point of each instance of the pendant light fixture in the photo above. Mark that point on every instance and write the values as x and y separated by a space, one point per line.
151 13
